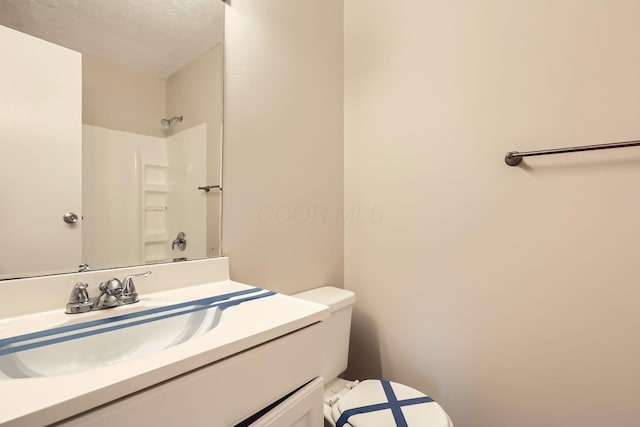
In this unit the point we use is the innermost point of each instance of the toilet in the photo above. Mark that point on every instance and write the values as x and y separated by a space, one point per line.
368 403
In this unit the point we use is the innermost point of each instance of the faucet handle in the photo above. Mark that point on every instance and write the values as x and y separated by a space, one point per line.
129 288
79 301
79 293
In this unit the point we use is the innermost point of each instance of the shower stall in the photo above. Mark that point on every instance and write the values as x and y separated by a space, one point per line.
139 193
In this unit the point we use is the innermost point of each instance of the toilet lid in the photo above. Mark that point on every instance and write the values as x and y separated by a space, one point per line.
376 403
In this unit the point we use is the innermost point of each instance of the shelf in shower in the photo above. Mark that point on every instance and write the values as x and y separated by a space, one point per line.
157 188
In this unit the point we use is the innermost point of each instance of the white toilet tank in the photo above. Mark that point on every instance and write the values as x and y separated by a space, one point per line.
335 330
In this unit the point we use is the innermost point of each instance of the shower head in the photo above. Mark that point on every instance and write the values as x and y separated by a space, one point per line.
166 123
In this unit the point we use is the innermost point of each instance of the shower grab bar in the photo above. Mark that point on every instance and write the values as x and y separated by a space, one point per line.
208 188
513 158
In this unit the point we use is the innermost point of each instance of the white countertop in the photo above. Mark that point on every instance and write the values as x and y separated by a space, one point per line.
45 400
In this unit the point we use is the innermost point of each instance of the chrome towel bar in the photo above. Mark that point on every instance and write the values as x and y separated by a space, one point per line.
513 158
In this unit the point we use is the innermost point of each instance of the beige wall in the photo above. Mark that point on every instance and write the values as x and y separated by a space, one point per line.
195 92
121 98
283 143
509 294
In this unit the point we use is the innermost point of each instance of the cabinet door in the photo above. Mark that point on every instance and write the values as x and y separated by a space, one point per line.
40 164
301 409
224 393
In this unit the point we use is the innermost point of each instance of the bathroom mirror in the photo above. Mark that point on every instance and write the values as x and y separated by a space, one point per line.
142 182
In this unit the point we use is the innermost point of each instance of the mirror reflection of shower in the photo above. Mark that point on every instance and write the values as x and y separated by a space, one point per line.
166 123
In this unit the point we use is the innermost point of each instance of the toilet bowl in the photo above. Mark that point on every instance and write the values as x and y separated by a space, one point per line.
368 403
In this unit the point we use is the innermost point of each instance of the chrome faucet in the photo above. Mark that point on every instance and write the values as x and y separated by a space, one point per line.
113 293
180 241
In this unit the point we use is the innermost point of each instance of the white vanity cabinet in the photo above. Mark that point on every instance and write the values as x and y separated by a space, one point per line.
239 355
228 392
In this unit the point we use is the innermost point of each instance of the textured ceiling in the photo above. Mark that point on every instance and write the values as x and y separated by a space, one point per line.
160 36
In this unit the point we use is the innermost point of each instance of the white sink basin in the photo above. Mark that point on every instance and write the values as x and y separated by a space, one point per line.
58 344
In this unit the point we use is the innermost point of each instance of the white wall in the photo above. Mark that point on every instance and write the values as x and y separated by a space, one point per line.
509 294
283 178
